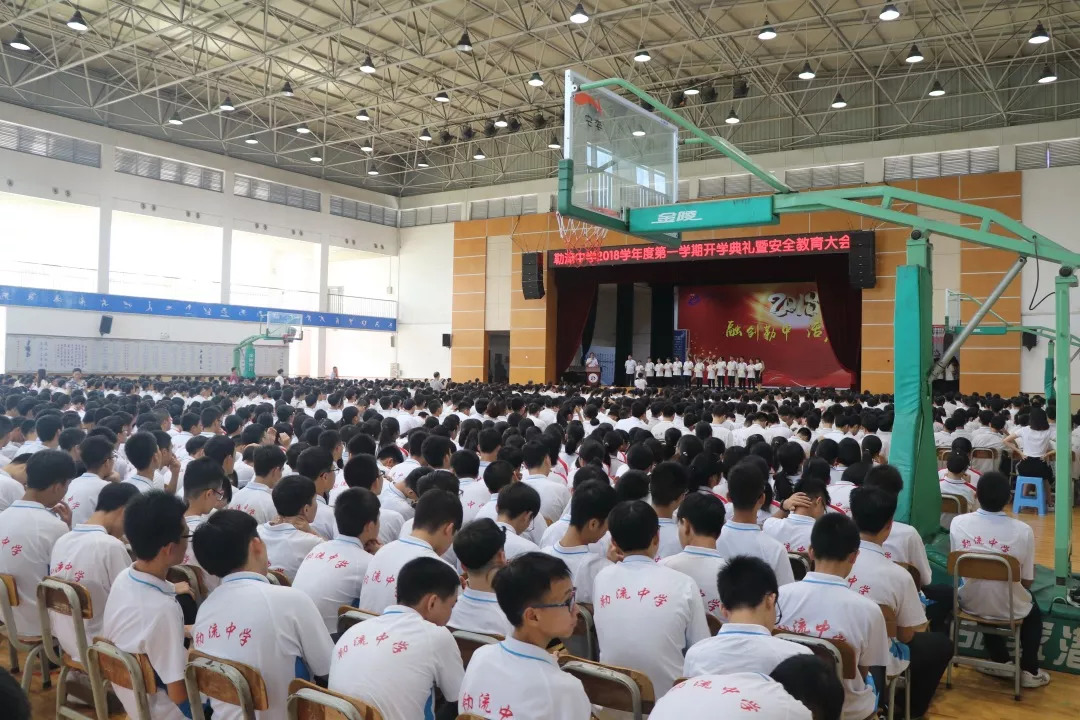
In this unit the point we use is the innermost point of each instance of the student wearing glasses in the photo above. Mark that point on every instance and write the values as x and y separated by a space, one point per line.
204 492
517 678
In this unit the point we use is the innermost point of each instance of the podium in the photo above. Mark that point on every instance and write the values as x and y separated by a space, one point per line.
592 375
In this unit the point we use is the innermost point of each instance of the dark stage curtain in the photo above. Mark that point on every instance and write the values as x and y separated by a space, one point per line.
577 304
841 312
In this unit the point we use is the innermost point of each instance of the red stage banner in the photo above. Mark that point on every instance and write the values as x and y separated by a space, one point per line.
780 323
767 246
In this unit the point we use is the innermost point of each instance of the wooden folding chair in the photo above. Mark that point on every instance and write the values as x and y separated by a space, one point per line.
800 564
835 651
308 701
276 577
131 671
73 601
470 642
226 681
956 504
584 635
984 566
985 459
610 686
914 573
893 681
191 575
349 616
943 456
713 622
31 645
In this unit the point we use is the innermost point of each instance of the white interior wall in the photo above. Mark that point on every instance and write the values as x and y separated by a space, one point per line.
497 282
426 259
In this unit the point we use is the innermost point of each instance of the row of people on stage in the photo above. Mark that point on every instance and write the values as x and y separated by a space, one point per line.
716 372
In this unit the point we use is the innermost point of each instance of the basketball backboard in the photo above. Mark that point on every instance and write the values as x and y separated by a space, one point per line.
286 325
624 156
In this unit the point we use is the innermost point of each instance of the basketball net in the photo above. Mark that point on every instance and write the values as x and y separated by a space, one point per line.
580 235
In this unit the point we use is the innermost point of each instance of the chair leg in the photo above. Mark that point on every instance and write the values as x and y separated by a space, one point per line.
892 698
954 633
907 693
28 671
14 657
61 692
1016 661
46 677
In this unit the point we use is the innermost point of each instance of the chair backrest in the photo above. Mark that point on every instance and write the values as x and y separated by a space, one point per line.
66 598
276 577
984 566
943 456
349 616
226 680
308 701
956 504
131 671
890 620
914 573
836 651
193 576
611 686
713 622
11 594
985 453
585 628
470 642
800 564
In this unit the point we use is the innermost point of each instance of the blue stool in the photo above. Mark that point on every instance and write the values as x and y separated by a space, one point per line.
1038 502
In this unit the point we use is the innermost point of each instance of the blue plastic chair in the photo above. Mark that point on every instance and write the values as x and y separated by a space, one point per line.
1038 501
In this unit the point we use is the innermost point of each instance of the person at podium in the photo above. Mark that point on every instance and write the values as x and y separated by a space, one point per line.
592 365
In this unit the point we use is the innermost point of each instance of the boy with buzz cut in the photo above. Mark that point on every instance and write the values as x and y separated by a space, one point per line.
96 453
517 678
517 506
204 482
255 498
701 517
668 485
333 572
742 536
479 548
363 471
289 537
395 661
251 621
318 464
579 548
141 450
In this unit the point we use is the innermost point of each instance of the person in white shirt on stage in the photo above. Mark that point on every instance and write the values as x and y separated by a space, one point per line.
630 366
96 454
579 548
751 374
251 621
990 530
662 605
255 498
333 572
699 371
289 537
748 592
397 660
741 534
687 371
668 485
438 517
669 367
650 372
821 604
518 678
478 546
740 372
701 517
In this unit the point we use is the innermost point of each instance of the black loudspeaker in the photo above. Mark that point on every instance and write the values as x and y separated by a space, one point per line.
1029 340
532 275
105 327
446 339
861 261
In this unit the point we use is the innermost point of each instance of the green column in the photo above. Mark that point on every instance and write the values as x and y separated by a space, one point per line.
912 446
1048 371
1065 280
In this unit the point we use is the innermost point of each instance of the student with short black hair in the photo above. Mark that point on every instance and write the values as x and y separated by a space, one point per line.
517 506
554 496
742 536
501 474
96 454
821 604
438 517
663 605
479 547
249 620
141 614
364 471
204 493
395 661
668 485
536 593
255 498
811 501
332 573
701 517
318 464
141 450
581 547
289 537
904 544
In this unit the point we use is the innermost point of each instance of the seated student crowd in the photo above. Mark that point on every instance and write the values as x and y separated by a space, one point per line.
655 552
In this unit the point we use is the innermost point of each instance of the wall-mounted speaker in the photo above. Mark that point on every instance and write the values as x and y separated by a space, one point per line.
446 339
105 326
861 273
532 275
1029 340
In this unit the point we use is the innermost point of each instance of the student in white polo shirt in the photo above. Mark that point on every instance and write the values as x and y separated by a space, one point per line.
251 621
667 487
558 529
701 517
96 453
904 545
822 605
811 500
318 464
581 547
990 530
438 517
517 506
364 472
30 527
141 614
466 465
554 496
888 584
289 537
498 475
954 481
478 546
748 591
141 450
741 535
333 572
394 662
255 497
518 678
204 493
663 606
414 446
802 687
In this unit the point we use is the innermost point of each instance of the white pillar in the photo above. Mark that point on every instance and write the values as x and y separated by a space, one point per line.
105 209
226 242
324 303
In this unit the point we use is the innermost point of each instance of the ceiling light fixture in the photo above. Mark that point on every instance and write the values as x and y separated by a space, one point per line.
77 23
421 162
251 141
367 66
286 89
732 118
914 56
889 13
578 17
19 42
691 91
936 90
227 104
465 43
1048 76
501 122
642 56
807 72
303 129
363 116
442 97
366 146
316 158
638 132
1039 35
425 135
554 143
479 155
767 32
177 120
839 102
535 80
373 172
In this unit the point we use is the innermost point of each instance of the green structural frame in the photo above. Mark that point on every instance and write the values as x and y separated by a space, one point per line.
244 353
912 448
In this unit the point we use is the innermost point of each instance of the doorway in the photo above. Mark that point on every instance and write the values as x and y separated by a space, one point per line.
498 357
